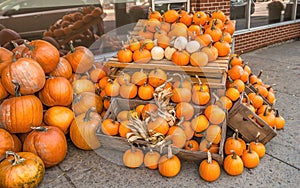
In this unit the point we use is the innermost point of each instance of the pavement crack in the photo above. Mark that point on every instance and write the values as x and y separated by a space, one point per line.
293 166
67 177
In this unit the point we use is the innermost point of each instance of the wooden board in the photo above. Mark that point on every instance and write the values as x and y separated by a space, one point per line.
121 144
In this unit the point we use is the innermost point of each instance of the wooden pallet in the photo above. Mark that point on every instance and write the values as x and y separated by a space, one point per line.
242 118
121 144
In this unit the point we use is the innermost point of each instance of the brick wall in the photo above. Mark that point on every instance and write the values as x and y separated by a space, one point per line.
211 5
252 40
258 39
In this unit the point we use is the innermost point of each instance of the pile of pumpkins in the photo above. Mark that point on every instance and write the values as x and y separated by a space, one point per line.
44 97
185 38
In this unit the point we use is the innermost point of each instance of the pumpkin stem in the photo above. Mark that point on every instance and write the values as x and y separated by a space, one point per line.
209 158
235 134
170 154
87 116
72 49
179 124
260 73
234 155
40 128
199 82
17 88
31 48
257 137
249 148
17 158
181 79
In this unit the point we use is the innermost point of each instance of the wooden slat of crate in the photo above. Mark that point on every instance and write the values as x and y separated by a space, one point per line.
242 118
121 144
251 89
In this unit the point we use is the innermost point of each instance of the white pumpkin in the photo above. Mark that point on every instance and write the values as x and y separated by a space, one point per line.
180 43
169 52
192 46
157 53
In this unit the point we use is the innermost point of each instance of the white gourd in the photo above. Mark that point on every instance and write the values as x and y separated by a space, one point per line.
180 43
192 46
157 53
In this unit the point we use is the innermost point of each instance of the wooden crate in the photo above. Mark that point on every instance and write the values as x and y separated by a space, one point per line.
121 144
242 118
213 74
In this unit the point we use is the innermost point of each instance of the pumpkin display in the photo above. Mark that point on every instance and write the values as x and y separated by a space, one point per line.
56 92
48 142
21 169
83 129
18 71
209 169
133 158
44 53
19 113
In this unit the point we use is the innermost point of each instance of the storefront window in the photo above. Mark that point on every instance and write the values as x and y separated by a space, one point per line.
262 12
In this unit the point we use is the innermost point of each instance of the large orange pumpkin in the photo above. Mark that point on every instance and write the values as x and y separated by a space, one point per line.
63 69
6 57
27 72
19 113
57 91
22 169
59 116
48 142
44 53
80 58
83 130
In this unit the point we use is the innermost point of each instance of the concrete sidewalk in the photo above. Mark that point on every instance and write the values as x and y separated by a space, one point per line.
279 168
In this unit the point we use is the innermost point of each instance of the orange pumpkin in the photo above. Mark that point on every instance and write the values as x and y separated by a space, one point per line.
80 58
151 159
62 69
57 91
48 142
200 18
170 16
44 53
214 114
233 164
181 57
169 165
83 130
133 158
59 116
141 56
125 55
145 91
6 57
21 169
19 113
250 158
209 169
157 77
110 127
19 72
